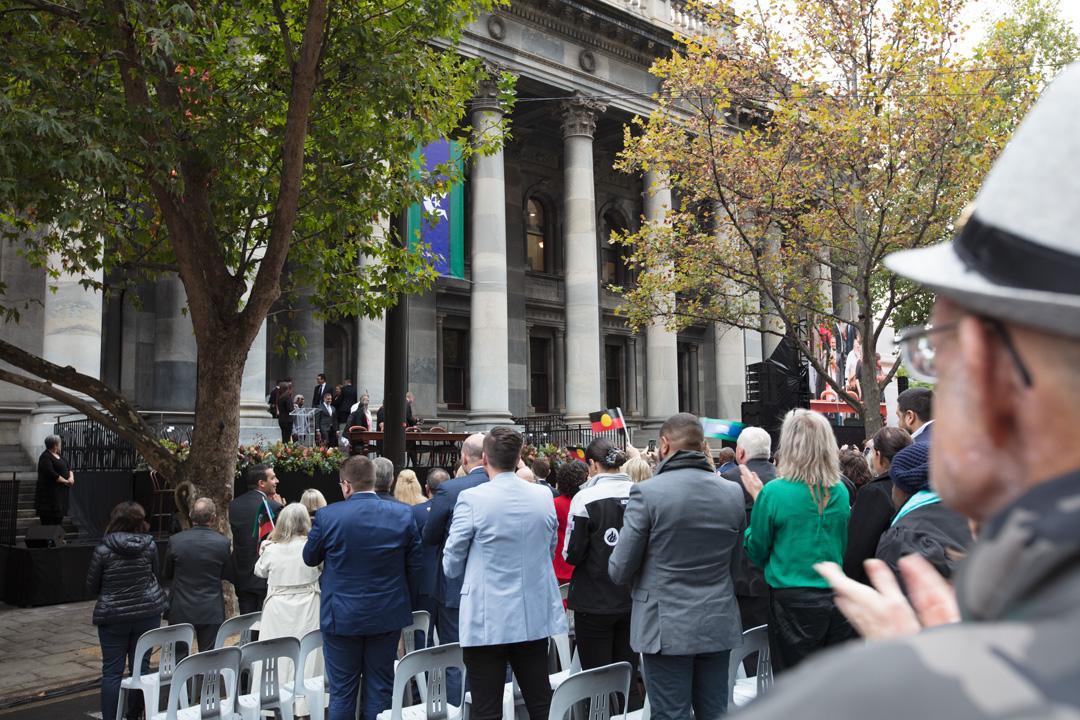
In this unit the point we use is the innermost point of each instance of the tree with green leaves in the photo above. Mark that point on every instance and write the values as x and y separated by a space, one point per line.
806 141
220 141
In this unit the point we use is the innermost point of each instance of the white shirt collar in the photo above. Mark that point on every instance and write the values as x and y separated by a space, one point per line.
922 427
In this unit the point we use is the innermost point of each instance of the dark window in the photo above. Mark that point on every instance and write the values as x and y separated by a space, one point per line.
613 375
540 374
455 359
684 377
614 269
538 248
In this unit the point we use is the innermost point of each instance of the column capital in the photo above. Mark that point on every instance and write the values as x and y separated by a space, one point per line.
580 115
488 97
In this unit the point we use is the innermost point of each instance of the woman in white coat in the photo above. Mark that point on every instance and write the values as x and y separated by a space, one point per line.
292 598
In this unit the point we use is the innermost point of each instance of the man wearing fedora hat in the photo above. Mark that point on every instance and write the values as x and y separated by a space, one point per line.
1004 349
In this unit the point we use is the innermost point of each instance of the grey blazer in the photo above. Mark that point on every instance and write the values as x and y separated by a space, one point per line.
681 538
196 562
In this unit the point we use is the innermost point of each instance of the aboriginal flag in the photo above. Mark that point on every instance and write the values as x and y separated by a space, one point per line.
604 420
577 452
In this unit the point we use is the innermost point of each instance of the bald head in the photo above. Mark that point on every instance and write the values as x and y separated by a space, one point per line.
472 451
203 511
682 431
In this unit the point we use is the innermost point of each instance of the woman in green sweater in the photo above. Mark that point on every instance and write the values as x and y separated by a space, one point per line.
799 519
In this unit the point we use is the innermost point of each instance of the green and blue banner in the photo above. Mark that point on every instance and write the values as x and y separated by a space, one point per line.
722 429
439 222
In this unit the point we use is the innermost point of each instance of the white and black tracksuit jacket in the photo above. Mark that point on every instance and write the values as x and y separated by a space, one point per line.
592 530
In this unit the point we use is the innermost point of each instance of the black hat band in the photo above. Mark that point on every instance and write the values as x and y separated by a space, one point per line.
1008 259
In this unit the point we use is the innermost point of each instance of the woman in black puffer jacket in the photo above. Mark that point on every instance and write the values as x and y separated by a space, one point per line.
123 574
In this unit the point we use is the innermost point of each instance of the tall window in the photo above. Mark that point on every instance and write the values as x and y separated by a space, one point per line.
536 232
539 374
613 375
455 359
613 264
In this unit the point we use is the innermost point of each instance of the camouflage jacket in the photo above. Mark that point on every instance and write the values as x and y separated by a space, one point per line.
1016 654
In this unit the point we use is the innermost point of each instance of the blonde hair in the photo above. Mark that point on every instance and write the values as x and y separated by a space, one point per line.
407 488
313 500
808 454
292 522
638 469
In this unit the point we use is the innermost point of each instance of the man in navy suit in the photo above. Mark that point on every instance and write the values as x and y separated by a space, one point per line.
436 531
372 565
914 412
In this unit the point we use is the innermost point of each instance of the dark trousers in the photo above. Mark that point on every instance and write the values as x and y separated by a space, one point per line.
118 653
286 430
205 635
51 518
801 622
486 666
350 658
249 602
446 623
605 639
677 683
753 611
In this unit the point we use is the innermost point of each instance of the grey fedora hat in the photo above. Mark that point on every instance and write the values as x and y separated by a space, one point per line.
1017 257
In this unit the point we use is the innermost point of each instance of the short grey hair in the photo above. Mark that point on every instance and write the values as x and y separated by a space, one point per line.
755 442
435 478
52 441
473 447
384 474
203 511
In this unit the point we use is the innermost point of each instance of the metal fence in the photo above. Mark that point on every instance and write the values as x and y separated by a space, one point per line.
89 446
9 510
572 436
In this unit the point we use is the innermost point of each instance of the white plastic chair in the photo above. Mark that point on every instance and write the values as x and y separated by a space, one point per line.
645 713
269 691
313 689
594 686
218 670
151 684
421 622
429 665
741 689
241 625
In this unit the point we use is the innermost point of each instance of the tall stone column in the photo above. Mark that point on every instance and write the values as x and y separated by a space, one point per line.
489 362
560 370
730 371
71 335
255 386
371 342
631 376
175 350
583 391
661 351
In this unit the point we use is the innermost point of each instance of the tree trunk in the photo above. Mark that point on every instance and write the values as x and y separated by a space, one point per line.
871 393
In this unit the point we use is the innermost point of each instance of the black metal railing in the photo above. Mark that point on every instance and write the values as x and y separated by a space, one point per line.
89 446
9 510
572 436
541 423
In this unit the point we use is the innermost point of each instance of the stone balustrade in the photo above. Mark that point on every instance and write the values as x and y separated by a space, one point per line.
672 15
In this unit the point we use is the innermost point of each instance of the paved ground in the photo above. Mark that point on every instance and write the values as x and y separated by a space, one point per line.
45 649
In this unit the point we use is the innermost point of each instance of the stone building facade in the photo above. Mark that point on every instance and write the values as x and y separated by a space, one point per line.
531 330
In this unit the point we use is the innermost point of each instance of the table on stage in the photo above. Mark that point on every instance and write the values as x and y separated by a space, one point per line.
838 406
438 449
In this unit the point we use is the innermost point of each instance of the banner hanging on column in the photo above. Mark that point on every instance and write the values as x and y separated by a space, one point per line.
439 222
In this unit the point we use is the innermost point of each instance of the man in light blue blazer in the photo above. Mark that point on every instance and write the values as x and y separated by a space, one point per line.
372 570
502 539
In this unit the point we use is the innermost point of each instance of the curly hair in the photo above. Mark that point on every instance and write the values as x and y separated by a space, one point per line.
570 476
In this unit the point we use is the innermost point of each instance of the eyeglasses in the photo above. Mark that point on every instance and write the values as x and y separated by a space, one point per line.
918 351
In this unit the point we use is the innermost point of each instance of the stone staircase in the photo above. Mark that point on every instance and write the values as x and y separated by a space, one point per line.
15 461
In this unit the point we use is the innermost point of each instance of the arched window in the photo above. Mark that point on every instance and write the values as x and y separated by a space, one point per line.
537 244
613 256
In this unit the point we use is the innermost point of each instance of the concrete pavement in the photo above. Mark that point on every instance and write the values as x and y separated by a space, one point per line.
46 649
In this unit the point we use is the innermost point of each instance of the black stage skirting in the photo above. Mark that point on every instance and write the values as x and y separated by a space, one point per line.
30 577
93 497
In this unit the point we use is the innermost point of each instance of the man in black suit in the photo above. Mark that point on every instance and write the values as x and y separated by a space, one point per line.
344 402
196 562
435 533
326 421
321 388
252 517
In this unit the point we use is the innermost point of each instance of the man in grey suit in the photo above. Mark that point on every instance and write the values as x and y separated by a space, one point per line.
502 539
681 538
197 561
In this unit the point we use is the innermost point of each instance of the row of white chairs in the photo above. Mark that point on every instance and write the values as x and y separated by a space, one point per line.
222 667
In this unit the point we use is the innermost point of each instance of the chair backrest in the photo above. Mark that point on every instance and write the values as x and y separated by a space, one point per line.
269 654
166 638
437 429
219 669
596 686
429 666
421 622
754 640
564 590
240 625
561 644
311 642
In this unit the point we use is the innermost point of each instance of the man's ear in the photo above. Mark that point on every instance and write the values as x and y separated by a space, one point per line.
992 382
